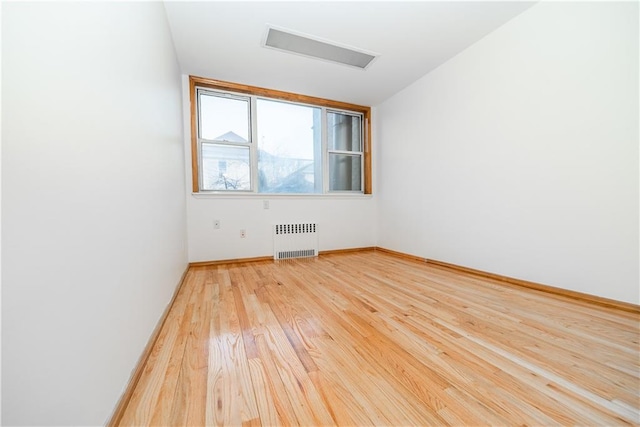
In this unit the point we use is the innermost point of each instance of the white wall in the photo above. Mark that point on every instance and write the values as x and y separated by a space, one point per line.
343 222
520 155
93 208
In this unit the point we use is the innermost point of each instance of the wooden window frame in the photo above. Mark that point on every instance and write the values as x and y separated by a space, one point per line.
195 82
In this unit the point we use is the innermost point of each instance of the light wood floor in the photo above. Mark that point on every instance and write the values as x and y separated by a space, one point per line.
371 339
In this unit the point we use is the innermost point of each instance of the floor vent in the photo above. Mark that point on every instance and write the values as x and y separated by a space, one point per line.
298 240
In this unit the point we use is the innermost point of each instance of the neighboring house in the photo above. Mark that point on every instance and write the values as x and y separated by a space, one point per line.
226 168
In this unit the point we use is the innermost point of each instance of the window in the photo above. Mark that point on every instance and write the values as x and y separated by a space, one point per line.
345 151
255 140
225 142
289 147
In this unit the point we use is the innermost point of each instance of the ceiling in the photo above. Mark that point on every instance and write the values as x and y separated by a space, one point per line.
222 40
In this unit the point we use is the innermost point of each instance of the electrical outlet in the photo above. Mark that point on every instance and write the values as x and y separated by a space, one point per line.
265 204
216 224
243 233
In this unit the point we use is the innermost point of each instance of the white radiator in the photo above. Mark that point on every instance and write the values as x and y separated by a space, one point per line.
298 240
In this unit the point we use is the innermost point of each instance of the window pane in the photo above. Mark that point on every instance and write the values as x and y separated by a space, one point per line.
289 148
344 132
225 167
224 119
345 172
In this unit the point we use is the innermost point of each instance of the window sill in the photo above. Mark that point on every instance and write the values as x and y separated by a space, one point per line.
219 195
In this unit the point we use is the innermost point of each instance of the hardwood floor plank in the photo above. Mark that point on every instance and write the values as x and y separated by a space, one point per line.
267 408
276 388
196 361
154 393
305 399
382 400
236 368
287 322
243 320
367 338
189 376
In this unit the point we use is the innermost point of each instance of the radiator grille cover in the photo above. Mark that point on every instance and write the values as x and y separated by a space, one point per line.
295 240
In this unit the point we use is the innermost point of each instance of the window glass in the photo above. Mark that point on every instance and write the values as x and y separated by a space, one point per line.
344 132
224 119
289 147
225 167
345 172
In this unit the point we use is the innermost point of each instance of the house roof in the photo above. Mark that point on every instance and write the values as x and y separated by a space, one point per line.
230 137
